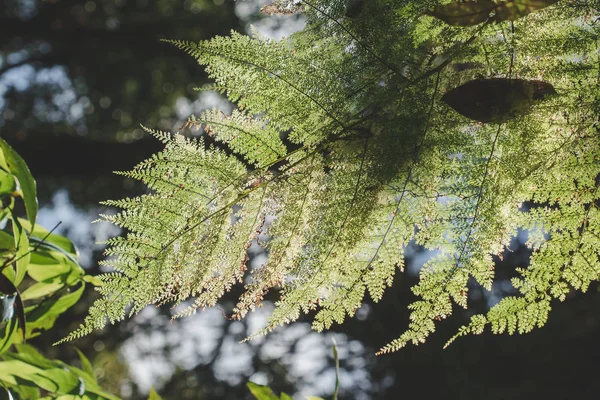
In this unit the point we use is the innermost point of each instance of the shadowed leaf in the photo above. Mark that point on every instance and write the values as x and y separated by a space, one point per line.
86 365
512 10
497 99
6 241
463 14
471 13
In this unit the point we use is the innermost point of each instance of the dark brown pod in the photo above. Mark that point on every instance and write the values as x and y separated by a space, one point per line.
496 99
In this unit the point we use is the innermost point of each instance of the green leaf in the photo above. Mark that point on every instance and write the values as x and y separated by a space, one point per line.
463 13
22 255
314 398
46 266
92 390
337 371
261 392
5 212
153 395
30 355
93 280
49 266
3 164
7 183
285 397
40 290
7 242
66 381
54 375
27 392
42 316
86 365
41 236
17 166
8 335
12 369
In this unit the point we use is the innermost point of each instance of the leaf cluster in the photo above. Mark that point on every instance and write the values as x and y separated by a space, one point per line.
343 151
40 279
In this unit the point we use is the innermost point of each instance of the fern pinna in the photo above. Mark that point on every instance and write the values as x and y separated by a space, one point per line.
349 140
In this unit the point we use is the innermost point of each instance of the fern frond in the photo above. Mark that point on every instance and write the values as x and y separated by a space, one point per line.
252 138
342 151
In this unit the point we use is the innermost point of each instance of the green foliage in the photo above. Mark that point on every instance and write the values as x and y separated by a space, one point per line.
25 371
341 141
153 395
12 163
41 278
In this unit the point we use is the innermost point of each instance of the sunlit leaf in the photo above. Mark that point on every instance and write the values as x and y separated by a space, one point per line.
153 395
30 355
17 166
23 254
49 265
93 280
3 164
261 392
52 375
40 290
496 99
65 381
43 238
12 369
463 13
7 183
45 266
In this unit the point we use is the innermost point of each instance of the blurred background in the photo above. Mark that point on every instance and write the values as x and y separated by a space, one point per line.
76 80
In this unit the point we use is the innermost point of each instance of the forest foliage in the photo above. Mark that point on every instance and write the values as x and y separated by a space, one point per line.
455 126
